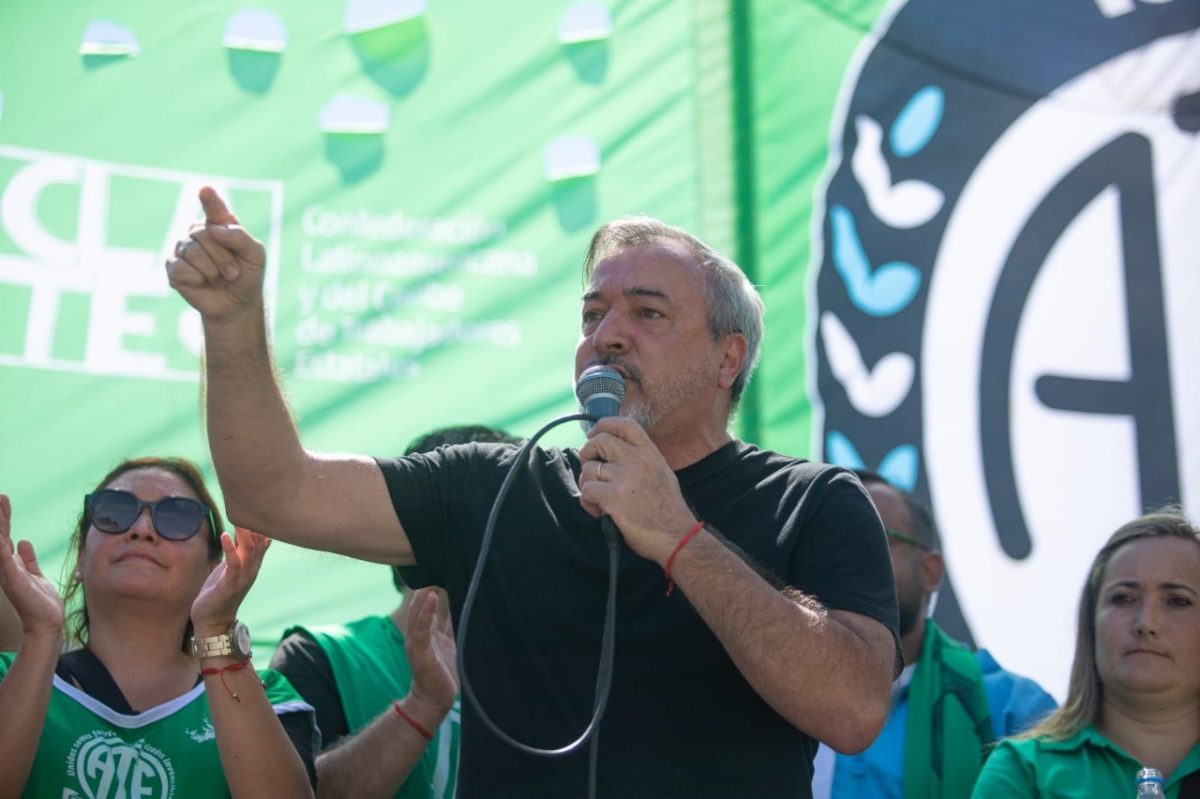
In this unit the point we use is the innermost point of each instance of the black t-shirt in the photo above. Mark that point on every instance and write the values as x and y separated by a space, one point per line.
681 720
306 666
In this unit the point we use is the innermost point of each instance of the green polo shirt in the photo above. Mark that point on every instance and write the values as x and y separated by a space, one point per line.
1084 766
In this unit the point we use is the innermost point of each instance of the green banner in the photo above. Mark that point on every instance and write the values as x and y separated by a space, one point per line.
425 177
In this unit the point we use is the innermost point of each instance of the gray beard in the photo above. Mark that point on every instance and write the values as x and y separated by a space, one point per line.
660 400
642 414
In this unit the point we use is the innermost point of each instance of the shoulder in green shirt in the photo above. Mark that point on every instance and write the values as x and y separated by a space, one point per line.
1084 766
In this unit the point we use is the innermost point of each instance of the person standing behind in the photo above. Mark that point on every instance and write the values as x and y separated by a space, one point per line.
928 699
1133 700
373 745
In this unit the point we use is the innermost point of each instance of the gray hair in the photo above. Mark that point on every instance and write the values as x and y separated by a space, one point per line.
734 305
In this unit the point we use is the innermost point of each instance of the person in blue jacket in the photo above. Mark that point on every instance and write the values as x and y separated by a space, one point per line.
948 703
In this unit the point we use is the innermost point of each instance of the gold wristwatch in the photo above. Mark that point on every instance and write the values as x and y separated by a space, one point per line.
234 642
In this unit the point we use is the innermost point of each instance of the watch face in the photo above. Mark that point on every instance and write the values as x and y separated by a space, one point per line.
241 639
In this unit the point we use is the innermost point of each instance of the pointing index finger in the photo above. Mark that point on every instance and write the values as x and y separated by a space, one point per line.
216 212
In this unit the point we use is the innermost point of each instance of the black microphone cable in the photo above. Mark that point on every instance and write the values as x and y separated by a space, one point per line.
608 637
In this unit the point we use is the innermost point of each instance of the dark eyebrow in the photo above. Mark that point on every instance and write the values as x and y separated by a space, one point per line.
1168 586
635 291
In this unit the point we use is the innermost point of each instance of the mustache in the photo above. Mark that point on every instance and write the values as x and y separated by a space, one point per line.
618 361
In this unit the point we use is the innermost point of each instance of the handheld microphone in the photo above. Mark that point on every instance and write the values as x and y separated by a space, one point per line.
600 391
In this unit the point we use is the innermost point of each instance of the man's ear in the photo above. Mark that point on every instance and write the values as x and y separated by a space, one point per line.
932 570
733 356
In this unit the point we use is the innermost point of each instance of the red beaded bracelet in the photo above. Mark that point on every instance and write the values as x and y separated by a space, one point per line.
241 664
688 536
416 725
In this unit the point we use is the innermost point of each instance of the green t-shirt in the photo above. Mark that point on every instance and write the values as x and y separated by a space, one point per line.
87 749
371 669
1085 766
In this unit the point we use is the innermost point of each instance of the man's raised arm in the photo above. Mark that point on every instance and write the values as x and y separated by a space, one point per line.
270 482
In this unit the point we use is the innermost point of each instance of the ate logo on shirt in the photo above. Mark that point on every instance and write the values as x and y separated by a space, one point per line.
107 768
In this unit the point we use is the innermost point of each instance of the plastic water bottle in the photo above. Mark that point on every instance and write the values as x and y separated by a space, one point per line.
1149 784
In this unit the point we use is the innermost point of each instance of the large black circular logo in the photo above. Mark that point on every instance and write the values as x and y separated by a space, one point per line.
1006 287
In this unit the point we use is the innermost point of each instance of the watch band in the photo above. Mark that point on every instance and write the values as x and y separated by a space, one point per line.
224 645
213 646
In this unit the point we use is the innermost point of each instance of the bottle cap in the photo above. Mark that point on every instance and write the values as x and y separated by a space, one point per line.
1149 775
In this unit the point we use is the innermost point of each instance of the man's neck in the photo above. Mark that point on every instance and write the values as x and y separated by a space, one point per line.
912 641
682 448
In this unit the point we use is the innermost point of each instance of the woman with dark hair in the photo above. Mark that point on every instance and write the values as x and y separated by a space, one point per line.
156 699
1134 695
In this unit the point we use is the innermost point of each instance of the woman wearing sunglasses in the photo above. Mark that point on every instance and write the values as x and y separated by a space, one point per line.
158 699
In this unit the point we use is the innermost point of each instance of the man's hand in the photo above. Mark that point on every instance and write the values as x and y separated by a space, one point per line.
624 475
429 646
219 268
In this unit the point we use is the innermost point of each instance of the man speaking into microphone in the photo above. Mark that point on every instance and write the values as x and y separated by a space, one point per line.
756 612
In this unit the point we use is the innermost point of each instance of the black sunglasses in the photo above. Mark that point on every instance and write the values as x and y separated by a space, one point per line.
111 510
907 539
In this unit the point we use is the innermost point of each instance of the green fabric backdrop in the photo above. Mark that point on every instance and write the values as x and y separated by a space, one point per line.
424 272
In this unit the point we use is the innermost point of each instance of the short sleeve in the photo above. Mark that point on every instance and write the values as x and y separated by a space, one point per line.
427 492
840 553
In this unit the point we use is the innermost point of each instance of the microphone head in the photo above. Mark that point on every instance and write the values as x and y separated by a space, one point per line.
600 391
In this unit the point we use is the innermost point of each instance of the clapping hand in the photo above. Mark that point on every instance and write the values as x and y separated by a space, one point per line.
32 595
216 606
429 645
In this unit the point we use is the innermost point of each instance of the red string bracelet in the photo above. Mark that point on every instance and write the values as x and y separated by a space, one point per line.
416 725
241 664
688 536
